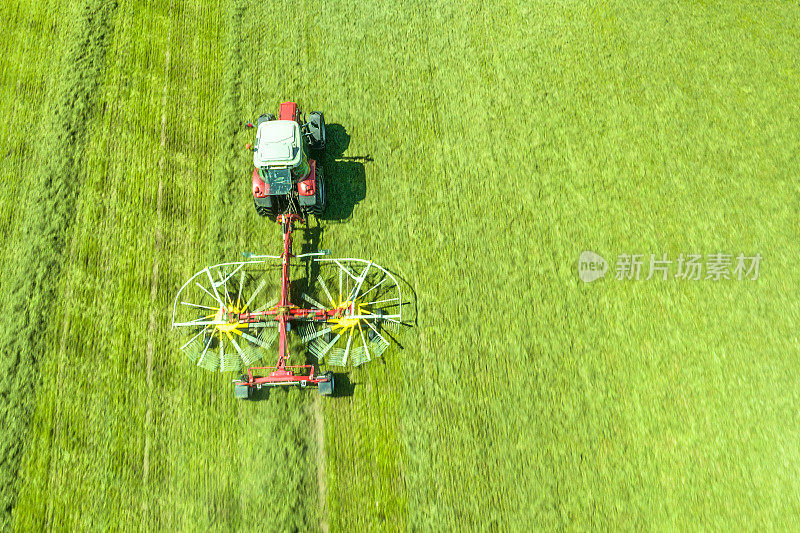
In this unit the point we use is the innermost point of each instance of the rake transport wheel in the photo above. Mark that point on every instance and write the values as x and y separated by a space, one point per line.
326 387
368 306
208 311
241 391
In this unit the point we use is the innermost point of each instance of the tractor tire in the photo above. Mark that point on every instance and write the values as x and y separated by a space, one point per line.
264 211
316 129
266 117
241 391
326 387
319 207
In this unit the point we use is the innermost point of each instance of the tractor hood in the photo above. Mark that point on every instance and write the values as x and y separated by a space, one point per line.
278 143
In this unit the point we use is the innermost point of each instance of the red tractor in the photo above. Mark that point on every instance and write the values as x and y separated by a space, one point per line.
285 178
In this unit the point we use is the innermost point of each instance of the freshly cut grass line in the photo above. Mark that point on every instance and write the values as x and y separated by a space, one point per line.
226 165
49 213
230 224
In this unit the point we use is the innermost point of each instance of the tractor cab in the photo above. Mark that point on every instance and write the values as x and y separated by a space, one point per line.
284 178
280 155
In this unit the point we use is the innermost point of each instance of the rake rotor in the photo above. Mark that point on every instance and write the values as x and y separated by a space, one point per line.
232 318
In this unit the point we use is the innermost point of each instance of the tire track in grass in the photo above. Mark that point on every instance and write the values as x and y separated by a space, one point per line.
159 238
62 351
319 457
48 216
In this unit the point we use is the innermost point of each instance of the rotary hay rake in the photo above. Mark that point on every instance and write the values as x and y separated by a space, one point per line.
231 315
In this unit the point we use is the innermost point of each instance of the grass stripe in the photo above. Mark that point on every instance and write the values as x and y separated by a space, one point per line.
49 214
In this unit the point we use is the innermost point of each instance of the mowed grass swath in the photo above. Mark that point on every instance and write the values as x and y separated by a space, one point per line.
159 428
33 285
480 149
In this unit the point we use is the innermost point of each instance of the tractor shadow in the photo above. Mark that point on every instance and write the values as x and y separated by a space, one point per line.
345 177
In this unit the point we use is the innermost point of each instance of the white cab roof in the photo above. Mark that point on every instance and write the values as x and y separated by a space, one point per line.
278 143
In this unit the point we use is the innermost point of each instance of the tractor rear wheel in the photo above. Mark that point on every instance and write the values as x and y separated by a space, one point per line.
264 211
326 387
319 206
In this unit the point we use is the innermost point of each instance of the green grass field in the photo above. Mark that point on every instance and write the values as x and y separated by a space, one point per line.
479 149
